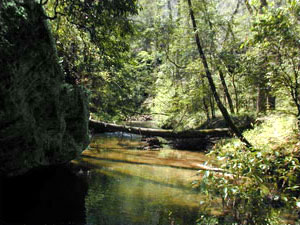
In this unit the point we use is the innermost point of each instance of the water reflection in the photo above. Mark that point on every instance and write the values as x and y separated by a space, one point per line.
131 186
133 201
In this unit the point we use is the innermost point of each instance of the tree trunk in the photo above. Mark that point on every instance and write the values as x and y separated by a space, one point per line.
211 82
170 10
263 3
271 102
204 100
100 127
248 6
206 108
261 103
236 96
212 106
226 92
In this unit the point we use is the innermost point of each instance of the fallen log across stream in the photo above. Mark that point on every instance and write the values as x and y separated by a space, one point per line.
99 127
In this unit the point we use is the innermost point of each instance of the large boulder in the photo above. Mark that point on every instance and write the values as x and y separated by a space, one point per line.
43 120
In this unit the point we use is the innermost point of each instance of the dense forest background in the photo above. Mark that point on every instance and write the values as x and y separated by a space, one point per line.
149 63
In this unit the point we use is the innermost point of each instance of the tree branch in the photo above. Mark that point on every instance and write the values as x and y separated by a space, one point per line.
174 63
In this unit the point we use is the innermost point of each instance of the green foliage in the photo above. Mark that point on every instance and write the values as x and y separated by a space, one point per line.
11 15
93 39
106 22
261 183
207 220
274 48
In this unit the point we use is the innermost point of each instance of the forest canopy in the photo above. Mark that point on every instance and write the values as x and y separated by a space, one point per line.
144 54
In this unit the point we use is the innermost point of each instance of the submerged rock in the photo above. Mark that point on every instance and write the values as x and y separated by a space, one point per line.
151 143
43 120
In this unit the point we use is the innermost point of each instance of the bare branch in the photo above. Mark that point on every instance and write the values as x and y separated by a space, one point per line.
174 63
43 3
248 6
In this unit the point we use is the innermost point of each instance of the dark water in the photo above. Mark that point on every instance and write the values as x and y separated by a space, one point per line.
53 195
114 183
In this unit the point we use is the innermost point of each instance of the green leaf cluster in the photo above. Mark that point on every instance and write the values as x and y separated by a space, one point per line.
257 185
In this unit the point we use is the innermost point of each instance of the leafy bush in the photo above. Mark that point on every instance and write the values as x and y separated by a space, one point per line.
259 183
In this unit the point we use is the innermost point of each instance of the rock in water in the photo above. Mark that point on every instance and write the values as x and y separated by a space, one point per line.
43 120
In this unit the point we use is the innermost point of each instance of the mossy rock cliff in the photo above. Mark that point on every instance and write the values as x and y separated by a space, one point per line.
43 120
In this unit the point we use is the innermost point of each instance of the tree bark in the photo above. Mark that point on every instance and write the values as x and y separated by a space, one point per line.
263 3
226 92
204 100
211 82
206 108
170 10
271 102
212 106
261 104
237 102
248 6
100 127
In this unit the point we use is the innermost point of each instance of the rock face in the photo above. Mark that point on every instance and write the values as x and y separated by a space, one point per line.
43 120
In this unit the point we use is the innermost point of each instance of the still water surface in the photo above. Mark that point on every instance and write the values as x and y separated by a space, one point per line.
129 186
114 182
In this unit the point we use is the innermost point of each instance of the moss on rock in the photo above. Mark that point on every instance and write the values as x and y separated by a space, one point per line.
43 120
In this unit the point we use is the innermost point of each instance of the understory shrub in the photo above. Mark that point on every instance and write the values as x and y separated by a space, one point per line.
258 184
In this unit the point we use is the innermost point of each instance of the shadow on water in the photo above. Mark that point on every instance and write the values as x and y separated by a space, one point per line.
128 186
113 183
44 196
119 174
138 163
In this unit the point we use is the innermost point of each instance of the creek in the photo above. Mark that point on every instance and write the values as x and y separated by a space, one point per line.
113 183
129 186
